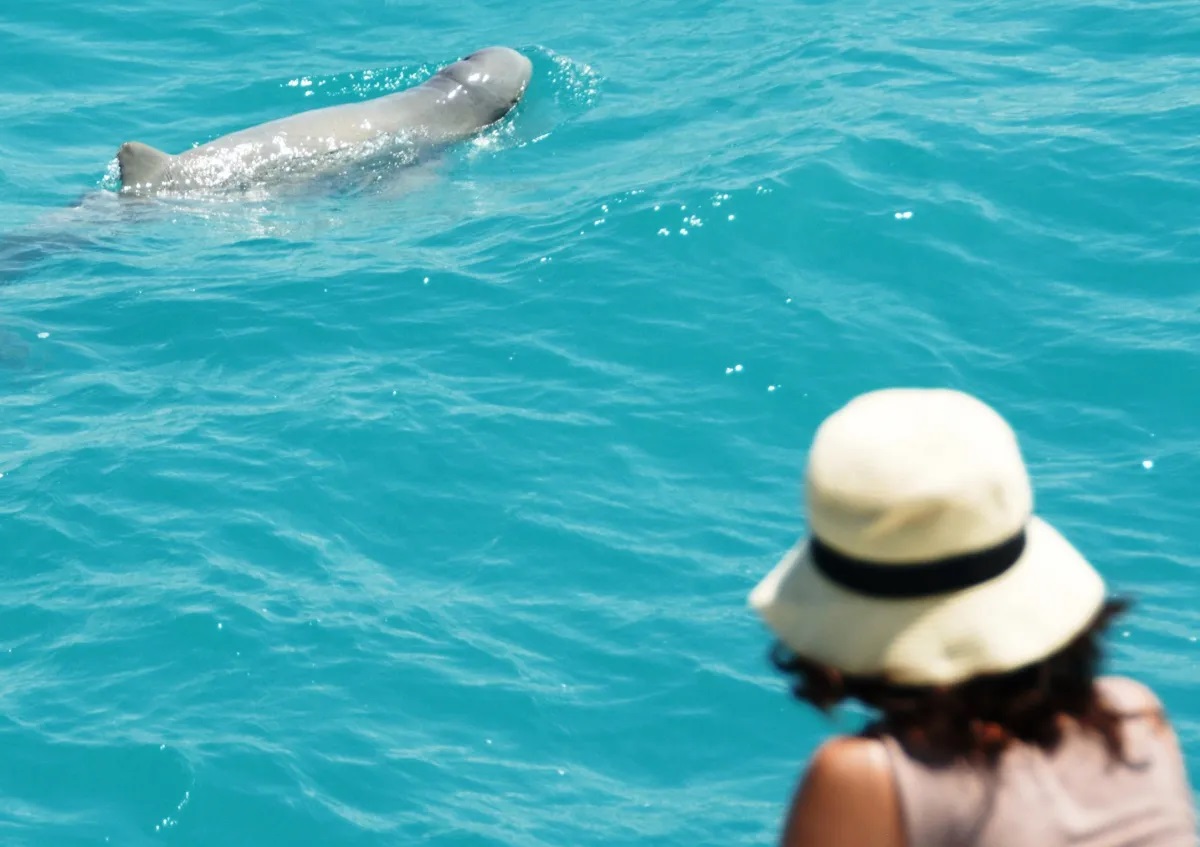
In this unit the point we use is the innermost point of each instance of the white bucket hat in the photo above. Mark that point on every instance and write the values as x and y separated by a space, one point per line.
924 563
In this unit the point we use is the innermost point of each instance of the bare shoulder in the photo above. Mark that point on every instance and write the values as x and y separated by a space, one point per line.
846 798
848 756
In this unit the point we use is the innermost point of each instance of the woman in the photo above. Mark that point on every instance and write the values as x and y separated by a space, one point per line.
928 591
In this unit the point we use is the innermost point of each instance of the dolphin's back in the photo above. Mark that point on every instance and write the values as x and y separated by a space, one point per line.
452 105
438 111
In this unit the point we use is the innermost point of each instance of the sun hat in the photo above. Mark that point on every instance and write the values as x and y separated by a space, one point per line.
924 562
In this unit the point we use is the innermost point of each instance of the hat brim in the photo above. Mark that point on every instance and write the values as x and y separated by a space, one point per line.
1027 613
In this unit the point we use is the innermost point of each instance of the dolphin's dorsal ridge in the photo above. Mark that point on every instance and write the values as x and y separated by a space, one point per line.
141 164
422 119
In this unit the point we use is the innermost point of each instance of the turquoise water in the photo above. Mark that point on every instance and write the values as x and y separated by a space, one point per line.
424 511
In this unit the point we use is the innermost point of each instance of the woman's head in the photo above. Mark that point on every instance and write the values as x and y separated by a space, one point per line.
981 715
925 566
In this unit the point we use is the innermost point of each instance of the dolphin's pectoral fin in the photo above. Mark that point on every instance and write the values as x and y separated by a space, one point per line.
141 164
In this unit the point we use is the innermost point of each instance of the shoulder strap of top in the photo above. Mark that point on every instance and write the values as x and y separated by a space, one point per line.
941 805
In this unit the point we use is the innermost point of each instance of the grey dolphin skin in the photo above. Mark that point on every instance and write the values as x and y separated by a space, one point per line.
456 103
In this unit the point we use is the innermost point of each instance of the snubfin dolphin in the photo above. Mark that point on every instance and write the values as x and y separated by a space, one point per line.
457 102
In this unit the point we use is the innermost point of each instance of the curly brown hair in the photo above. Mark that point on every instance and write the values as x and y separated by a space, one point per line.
978 718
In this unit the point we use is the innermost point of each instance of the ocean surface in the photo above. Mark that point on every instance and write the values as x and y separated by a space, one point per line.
423 509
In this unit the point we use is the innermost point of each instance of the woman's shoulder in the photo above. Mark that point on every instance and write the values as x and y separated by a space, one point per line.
846 797
1127 695
848 766
851 754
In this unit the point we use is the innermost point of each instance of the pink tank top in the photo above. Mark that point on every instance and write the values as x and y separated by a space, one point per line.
1075 796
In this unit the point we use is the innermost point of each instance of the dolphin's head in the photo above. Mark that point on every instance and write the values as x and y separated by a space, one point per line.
496 74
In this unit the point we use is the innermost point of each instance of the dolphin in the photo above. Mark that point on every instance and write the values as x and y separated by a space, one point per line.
457 102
